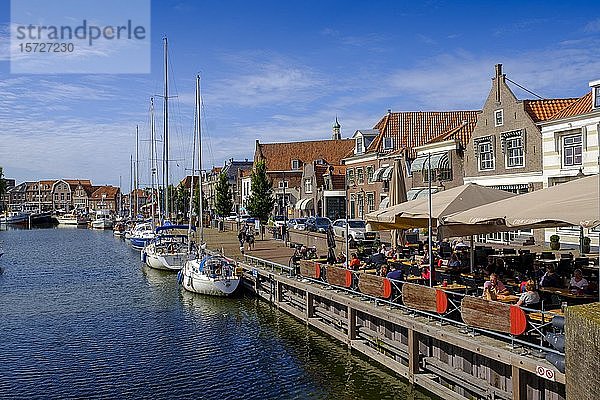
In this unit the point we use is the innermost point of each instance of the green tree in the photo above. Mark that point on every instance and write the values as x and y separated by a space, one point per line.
261 201
223 201
182 198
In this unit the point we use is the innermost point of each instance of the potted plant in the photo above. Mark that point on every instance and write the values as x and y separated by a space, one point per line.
586 245
554 242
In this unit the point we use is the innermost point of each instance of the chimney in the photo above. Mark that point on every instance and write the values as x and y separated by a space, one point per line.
499 78
389 111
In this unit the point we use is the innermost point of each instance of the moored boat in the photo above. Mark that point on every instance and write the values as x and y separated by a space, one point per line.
213 275
14 218
141 235
170 249
71 219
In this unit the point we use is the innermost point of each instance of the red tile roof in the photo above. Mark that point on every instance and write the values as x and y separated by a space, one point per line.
461 133
583 105
110 192
410 129
279 156
542 110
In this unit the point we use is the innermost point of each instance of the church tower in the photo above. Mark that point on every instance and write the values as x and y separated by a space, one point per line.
336 130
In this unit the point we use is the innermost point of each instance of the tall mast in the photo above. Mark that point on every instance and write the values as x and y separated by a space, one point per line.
131 186
166 131
192 181
198 119
153 166
136 180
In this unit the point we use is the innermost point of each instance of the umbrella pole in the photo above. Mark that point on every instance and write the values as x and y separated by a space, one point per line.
472 253
430 254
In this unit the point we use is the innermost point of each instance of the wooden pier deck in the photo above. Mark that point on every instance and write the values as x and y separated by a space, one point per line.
446 360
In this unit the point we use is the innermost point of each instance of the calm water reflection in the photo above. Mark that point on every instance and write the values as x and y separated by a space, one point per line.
82 318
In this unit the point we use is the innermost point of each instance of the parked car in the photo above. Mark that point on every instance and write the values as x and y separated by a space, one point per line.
317 224
278 220
357 230
232 217
297 223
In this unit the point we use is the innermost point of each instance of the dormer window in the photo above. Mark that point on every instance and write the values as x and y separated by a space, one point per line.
359 145
388 143
498 117
295 164
597 97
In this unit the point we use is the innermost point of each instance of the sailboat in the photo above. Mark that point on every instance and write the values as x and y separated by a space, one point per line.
170 249
214 275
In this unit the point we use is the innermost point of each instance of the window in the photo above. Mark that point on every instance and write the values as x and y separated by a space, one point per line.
514 152
369 174
597 97
572 147
351 212
388 143
370 202
308 185
486 156
283 184
360 176
361 205
350 177
359 145
295 164
498 117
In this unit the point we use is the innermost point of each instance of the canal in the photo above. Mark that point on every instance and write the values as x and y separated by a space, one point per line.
82 318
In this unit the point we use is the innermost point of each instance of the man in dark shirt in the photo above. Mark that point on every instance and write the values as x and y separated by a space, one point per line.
550 279
397 273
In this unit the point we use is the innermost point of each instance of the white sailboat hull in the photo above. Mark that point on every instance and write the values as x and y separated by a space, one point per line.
203 281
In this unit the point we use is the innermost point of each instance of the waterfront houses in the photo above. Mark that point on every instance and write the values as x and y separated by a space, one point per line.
570 141
285 167
369 167
505 149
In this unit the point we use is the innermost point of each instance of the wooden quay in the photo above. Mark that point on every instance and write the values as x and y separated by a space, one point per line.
448 360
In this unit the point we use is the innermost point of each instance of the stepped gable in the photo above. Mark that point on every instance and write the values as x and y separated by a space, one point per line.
542 110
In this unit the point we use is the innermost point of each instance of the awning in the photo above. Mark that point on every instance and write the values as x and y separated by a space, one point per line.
438 161
304 204
378 174
384 203
387 174
419 193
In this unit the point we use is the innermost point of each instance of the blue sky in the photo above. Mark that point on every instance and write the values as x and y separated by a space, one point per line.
282 71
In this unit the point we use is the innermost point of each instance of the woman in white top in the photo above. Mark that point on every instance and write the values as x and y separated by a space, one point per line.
578 281
530 297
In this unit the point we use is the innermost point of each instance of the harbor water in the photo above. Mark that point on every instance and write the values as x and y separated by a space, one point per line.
81 317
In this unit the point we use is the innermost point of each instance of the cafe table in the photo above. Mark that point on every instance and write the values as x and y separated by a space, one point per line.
414 278
567 293
452 287
507 298
546 316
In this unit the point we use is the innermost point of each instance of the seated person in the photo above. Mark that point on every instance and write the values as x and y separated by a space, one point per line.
454 261
578 281
530 297
377 260
425 272
397 273
495 285
354 262
550 278
460 245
